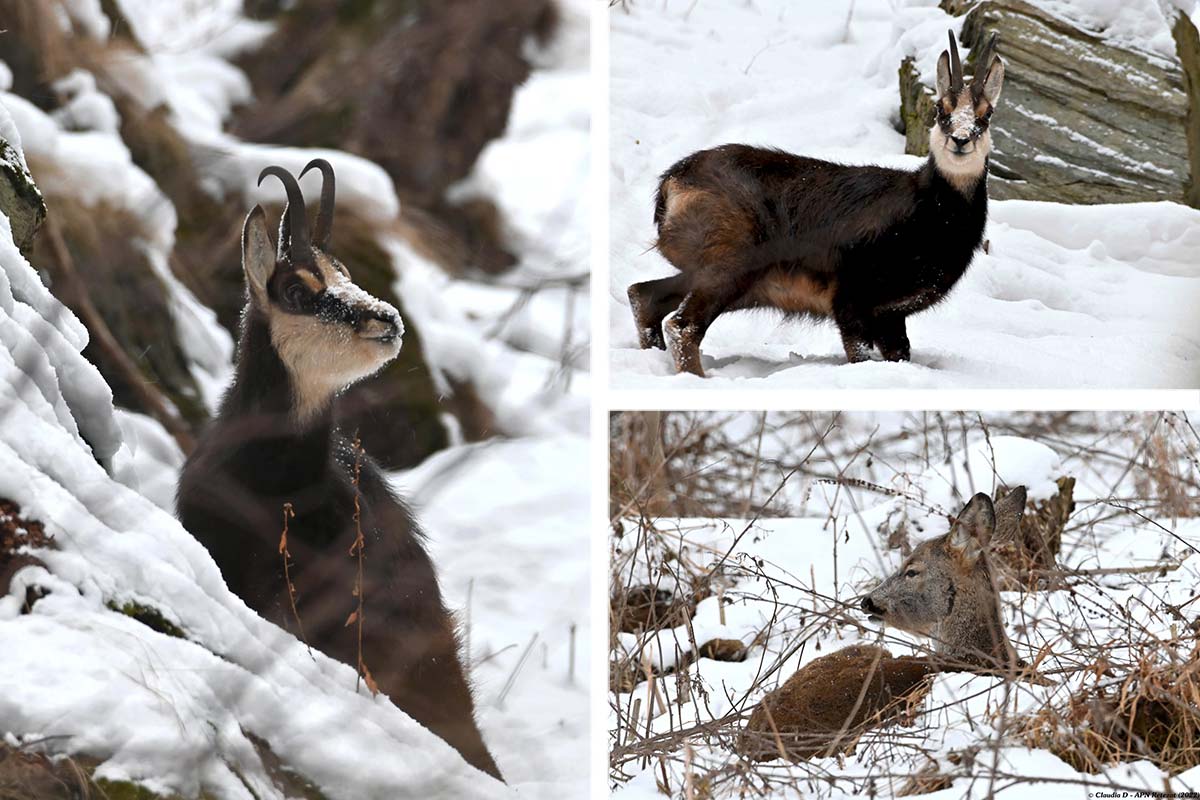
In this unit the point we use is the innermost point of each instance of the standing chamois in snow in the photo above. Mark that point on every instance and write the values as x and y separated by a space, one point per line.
307 333
749 227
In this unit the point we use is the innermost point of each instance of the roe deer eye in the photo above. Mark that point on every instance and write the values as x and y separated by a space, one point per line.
912 573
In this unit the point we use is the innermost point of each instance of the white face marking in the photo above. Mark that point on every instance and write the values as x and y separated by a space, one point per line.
962 121
324 357
963 169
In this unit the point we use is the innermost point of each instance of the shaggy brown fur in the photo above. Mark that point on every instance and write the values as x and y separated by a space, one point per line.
830 702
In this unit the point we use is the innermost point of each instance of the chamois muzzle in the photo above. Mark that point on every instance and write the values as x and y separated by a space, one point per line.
382 327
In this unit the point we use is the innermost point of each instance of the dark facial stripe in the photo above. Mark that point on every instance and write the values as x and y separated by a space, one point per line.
312 280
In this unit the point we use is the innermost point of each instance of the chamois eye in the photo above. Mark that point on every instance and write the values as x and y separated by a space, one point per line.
294 295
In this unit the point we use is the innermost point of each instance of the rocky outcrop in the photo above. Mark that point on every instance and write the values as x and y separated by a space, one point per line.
371 77
1187 45
419 87
20 199
1082 119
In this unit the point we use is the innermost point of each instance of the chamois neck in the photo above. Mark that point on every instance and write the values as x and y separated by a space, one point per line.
263 392
968 180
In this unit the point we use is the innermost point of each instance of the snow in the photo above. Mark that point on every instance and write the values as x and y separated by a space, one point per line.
522 338
84 108
1066 297
514 562
178 714
1138 23
143 702
150 461
93 165
786 578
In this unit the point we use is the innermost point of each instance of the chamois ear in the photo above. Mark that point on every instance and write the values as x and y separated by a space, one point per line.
994 81
943 74
1009 510
973 529
258 254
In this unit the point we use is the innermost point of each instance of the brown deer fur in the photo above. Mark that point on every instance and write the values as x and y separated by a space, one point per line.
824 707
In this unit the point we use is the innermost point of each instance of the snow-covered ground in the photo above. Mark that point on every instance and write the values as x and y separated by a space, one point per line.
1071 297
507 520
785 580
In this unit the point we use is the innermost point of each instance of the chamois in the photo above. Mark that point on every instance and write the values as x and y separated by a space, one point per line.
308 332
749 227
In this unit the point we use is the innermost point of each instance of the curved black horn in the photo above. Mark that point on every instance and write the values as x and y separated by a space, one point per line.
325 215
984 60
298 247
956 73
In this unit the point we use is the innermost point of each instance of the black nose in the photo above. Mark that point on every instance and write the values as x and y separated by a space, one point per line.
378 325
960 142
870 607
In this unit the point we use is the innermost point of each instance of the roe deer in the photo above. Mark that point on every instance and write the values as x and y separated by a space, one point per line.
749 227
307 333
830 701
945 589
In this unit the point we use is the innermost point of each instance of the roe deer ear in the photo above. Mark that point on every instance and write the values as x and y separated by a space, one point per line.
973 528
1009 510
258 255
943 75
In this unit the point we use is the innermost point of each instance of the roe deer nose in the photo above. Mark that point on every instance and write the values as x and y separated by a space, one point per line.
960 141
870 607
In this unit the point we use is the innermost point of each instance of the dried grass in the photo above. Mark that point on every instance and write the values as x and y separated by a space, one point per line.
1148 710
1142 700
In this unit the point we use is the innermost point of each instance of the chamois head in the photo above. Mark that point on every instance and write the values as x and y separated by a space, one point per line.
960 140
944 588
327 331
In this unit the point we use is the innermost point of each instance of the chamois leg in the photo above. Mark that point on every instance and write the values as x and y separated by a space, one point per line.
889 335
651 301
856 330
685 330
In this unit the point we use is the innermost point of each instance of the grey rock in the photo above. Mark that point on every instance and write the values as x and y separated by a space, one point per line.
20 199
1081 119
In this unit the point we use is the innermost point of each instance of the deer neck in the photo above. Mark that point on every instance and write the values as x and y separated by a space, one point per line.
973 632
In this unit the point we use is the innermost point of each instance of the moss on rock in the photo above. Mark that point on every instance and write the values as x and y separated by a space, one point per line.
150 617
20 199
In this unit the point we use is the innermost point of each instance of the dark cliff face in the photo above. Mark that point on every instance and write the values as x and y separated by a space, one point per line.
416 86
